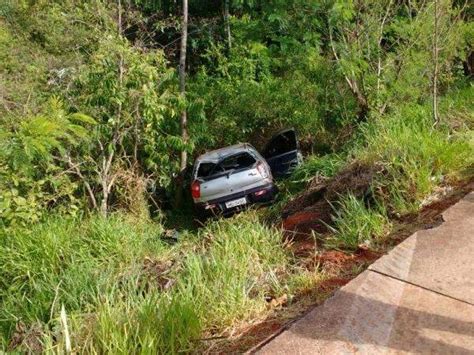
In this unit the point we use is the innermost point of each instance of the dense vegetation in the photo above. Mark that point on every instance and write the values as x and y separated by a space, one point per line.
91 142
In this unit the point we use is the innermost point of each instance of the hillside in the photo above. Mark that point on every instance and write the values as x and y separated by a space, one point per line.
102 116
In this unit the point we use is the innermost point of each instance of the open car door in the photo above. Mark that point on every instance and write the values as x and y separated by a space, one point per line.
282 153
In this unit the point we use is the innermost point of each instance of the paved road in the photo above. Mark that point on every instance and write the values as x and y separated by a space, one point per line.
419 298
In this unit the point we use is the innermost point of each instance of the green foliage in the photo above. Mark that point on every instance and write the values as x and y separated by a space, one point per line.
356 224
107 273
30 178
128 91
143 323
89 117
42 43
235 268
273 76
325 166
294 63
70 262
222 278
72 50
417 158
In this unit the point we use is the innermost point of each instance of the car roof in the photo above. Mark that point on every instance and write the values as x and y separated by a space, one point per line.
218 154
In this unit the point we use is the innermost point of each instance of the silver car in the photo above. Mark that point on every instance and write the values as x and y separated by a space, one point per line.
230 178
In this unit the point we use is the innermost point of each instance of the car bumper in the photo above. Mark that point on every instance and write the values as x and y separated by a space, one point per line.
262 194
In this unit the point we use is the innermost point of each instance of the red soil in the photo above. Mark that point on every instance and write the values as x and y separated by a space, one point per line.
311 210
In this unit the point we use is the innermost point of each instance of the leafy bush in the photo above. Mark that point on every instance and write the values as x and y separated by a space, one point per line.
31 179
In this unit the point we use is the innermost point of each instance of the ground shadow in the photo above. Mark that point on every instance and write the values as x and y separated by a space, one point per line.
360 320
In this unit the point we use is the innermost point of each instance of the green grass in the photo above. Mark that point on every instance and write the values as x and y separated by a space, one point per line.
97 269
238 263
70 263
417 158
356 224
313 166
325 166
221 277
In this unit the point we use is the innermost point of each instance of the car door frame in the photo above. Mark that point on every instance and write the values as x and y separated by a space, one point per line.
283 163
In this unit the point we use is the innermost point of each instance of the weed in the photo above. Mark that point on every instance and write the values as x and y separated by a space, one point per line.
357 224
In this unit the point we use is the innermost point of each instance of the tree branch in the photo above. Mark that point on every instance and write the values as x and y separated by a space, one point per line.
75 168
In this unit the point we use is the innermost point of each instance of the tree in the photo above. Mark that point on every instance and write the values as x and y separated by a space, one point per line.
355 31
182 93
436 15
227 23
106 176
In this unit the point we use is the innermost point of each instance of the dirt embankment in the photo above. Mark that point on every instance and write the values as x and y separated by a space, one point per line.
312 210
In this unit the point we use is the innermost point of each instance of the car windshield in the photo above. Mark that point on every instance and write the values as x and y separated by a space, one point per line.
228 164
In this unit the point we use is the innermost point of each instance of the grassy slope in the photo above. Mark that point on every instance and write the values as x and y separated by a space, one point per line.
124 290
415 161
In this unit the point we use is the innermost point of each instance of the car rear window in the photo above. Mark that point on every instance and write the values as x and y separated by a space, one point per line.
205 169
234 162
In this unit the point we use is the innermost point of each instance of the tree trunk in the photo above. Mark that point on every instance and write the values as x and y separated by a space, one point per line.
227 23
381 107
182 92
468 65
435 66
77 171
105 200
107 179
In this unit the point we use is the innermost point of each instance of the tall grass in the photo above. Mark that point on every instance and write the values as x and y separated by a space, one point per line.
228 278
221 279
324 166
70 263
357 224
417 157
140 322
96 269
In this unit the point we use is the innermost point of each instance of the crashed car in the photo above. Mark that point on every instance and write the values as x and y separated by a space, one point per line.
231 178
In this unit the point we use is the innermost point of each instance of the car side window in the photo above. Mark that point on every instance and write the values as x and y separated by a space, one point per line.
281 144
205 169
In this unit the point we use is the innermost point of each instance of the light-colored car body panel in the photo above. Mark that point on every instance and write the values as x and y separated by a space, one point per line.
234 181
